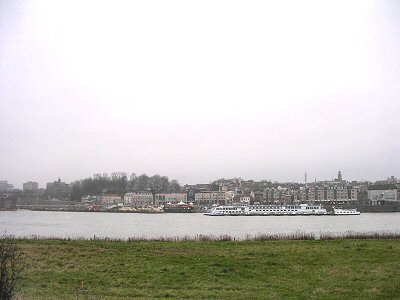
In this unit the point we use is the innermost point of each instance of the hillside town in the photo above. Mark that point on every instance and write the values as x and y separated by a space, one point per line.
156 194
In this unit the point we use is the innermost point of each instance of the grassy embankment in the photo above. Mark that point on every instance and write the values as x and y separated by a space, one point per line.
313 269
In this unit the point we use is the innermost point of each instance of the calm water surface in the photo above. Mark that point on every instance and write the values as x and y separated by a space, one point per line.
124 225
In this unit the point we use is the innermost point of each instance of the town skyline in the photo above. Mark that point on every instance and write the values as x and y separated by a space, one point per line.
310 179
130 193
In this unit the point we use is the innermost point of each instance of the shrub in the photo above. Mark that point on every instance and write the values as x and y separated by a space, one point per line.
11 266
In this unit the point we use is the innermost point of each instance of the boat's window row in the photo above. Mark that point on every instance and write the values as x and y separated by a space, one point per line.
274 210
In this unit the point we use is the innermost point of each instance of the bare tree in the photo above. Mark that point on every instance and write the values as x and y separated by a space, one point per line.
11 265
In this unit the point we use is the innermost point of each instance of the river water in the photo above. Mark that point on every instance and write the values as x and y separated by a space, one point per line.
25 223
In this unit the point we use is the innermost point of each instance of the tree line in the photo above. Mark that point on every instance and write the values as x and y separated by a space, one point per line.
121 185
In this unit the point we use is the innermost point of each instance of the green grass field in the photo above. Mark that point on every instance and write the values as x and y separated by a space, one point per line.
333 269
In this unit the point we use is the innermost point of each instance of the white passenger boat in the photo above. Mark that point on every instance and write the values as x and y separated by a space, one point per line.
345 211
266 210
226 211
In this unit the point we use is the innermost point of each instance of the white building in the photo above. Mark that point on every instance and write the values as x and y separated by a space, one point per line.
138 199
170 198
5 186
111 199
245 200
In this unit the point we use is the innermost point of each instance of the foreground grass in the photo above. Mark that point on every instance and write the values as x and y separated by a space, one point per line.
331 269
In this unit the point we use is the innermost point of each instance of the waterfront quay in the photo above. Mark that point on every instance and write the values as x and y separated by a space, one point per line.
153 194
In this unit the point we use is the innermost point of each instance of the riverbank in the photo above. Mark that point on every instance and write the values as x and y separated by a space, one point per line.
308 269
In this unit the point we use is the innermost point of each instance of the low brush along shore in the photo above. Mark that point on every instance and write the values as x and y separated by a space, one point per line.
284 269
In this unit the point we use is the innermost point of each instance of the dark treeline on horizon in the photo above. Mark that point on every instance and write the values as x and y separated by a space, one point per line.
121 185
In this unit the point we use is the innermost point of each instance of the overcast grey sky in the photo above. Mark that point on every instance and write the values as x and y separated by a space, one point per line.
199 90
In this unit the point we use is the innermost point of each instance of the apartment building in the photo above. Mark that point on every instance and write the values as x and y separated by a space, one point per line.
58 189
327 194
30 186
210 198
